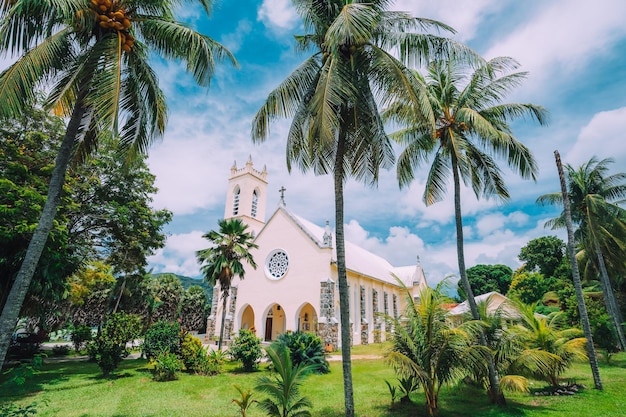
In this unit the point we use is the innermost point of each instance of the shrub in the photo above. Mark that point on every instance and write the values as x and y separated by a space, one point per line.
13 410
305 348
162 336
166 364
247 348
60 350
190 349
109 347
80 336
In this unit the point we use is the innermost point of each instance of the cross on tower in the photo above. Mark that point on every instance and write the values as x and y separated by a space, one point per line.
282 195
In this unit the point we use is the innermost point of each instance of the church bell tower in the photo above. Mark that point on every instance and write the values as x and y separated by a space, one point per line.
247 195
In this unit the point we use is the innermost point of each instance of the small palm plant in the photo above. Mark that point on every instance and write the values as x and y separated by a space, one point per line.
283 387
245 401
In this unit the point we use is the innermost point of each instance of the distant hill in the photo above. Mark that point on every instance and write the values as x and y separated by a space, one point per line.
187 282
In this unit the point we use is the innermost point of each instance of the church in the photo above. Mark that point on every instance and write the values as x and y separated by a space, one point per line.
295 284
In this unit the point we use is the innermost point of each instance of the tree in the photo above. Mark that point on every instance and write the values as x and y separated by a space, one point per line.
601 224
472 127
528 287
487 278
425 347
167 293
95 58
283 389
224 260
333 99
544 255
91 290
192 308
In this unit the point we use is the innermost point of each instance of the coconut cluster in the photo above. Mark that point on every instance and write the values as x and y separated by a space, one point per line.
112 17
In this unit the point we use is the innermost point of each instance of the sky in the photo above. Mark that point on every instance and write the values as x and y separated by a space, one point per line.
573 50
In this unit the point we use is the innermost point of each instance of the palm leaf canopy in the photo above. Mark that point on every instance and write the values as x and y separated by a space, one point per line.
225 259
471 127
335 93
94 54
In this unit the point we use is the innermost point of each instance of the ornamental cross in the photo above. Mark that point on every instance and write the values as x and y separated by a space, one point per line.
282 194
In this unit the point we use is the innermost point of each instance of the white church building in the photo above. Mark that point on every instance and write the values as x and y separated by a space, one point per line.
295 284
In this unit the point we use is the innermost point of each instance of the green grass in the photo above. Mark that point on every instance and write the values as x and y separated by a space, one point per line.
76 389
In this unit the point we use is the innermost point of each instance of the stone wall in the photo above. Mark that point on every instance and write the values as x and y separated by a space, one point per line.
210 323
230 316
328 326
377 318
364 323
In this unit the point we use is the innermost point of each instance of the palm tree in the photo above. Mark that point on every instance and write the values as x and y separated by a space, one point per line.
94 55
601 222
426 348
223 261
284 388
472 127
333 98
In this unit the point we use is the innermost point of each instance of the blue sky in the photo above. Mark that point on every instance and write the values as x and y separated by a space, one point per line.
572 49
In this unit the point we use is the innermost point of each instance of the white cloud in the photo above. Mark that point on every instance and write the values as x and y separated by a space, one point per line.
179 254
603 137
278 13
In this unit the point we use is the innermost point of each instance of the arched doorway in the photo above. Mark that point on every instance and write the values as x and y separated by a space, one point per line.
307 319
274 322
247 319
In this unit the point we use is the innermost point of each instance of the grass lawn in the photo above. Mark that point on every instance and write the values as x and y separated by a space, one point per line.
74 388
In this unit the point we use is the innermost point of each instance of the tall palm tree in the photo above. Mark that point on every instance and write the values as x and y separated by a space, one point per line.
601 224
223 261
472 127
94 55
333 100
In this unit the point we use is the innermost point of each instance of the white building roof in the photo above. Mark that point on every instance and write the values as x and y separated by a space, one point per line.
360 260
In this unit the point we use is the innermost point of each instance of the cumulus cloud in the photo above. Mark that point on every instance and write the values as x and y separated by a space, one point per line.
605 131
179 254
278 13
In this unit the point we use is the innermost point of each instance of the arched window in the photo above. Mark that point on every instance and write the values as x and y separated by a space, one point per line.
255 203
236 201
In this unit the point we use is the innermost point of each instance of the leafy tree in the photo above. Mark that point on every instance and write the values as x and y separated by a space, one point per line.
109 347
27 147
528 287
167 293
192 308
284 387
162 336
94 58
334 97
426 348
224 260
594 199
544 255
487 278
91 289
471 129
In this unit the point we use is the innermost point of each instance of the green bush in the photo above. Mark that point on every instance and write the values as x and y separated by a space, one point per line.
60 350
162 336
81 334
165 366
305 348
109 347
190 349
247 348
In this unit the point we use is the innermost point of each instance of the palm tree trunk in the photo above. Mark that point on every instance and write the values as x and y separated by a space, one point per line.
609 299
495 393
224 303
582 308
344 306
11 310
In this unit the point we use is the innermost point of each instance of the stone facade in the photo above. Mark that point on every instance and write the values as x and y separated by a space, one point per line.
364 323
377 318
328 327
228 325
210 323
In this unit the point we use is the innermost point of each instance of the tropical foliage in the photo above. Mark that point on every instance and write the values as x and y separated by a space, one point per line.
246 347
304 348
93 59
600 226
283 387
225 259
109 347
333 100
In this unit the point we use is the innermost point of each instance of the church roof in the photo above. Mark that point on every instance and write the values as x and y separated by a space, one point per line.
360 260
